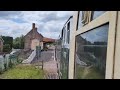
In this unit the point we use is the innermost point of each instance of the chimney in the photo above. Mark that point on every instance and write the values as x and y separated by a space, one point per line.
33 25
35 28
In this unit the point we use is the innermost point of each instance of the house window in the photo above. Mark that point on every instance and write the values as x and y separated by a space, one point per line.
91 50
96 14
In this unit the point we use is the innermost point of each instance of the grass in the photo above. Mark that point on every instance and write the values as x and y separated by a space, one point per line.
79 72
23 72
94 74
91 73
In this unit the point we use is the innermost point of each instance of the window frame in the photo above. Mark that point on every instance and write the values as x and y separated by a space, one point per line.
107 17
116 72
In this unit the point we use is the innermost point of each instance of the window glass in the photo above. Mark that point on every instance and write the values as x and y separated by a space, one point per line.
68 32
80 16
68 26
96 14
64 32
91 50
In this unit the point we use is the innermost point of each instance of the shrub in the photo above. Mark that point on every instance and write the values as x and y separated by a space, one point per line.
6 48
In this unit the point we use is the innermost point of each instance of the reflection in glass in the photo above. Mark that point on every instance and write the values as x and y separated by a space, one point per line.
68 32
91 49
96 14
64 34
64 63
80 16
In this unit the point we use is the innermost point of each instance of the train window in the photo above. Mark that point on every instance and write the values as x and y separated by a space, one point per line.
91 50
96 14
79 22
64 34
68 26
68 32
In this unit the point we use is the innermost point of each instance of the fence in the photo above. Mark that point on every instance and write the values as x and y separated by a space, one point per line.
8 61
30 58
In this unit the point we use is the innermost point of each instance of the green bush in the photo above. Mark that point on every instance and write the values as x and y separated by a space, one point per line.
6 48
18 42
8 40
10 64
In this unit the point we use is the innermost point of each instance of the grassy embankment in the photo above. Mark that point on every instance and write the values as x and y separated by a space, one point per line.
23 72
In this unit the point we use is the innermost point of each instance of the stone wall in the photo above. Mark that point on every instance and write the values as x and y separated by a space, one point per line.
31 36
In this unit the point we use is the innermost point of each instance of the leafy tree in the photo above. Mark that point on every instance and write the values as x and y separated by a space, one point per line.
22 42
8 40
6 48
18 43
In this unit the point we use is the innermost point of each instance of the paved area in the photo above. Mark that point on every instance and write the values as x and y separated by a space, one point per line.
50 69
45 56
49 63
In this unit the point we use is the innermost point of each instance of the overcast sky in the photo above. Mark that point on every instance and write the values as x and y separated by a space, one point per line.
49 23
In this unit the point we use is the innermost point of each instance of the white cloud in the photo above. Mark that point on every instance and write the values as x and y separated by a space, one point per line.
49 23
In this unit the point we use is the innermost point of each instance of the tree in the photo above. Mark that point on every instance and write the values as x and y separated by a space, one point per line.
18 42
6 48
8 41
22 41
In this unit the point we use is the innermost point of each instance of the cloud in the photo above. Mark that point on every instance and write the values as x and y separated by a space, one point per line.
9 14
49 23
10 28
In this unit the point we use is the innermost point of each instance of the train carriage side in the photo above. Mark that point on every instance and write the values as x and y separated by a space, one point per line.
64 53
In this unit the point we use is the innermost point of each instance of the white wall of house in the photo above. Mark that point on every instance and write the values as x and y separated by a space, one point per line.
34 43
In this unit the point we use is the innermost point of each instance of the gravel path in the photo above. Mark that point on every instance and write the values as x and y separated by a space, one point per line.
49 63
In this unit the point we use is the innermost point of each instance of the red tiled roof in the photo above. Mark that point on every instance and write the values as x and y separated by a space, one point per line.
48 39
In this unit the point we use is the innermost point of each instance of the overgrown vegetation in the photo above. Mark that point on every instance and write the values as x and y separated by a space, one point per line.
18 43
8 43
23 72
88 73
6 48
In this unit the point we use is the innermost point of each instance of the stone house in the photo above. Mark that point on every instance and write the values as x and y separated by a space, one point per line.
33 39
